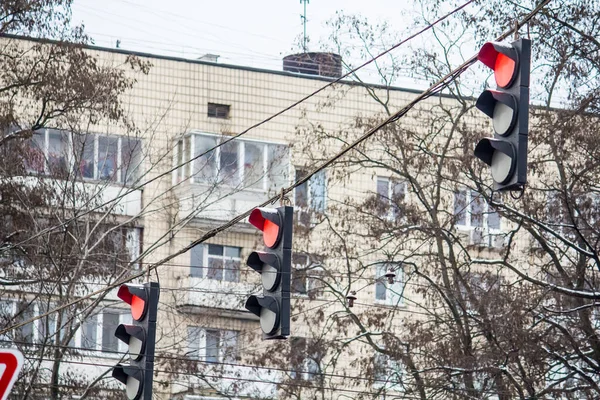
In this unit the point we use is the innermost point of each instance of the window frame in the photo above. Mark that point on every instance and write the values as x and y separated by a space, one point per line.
201 347
215 108
119 171
201 271
382 364
187 171
77 341
318 180
486 211
396 289
309 282
392 211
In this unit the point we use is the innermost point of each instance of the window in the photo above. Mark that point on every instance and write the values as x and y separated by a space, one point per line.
109 158
471 209
89 333
389 194
215 262
386 293
97 332
312 194
247 163
472 212
110 321
48 152
212 345
306 276
218 110
387 372
306 359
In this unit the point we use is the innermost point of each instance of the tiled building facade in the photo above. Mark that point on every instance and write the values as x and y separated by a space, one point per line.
178 190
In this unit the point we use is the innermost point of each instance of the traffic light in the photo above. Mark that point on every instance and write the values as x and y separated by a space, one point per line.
275 267
140 337
508 106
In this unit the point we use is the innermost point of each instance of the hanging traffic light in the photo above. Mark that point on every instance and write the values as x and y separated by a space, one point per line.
140 338
508 106
275 267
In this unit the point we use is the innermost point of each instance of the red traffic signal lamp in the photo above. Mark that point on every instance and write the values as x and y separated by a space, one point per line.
140 338
508 106
275 267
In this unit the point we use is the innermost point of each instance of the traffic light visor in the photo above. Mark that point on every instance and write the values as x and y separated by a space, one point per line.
268 265
269 222
135 337
501 107
268 311
132 378
500 156
502 59
135 296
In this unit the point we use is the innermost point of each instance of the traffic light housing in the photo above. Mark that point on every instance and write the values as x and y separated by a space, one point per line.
140 337
275 267
508 106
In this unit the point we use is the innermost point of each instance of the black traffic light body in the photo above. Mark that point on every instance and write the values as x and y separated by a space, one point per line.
137 375
275 266
508 106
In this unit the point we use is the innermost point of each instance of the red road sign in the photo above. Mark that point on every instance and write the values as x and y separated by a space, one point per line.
11 361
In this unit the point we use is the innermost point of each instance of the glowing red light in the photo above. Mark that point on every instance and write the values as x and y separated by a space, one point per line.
270 233
504 69
137 307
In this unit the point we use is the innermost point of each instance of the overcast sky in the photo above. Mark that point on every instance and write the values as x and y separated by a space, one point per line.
253 33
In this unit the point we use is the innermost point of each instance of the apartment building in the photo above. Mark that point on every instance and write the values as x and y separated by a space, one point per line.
376 224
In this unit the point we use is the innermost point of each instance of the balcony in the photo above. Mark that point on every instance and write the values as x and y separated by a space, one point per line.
225 179
222 298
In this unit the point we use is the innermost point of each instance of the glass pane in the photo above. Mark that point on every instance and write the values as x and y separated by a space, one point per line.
25 311
84 155
382 187
46 325
229 346
215 268
234 252
66 328
107 158
132 242
253 165
131 158
493 219
383 197
460 204
232 270
178 157
278 167
229 170
58 152
299 282
215 250
89 333
380 290
301 192
212 346
196 261
35 158
397 198
477 207
193 339
109 324
318 191
204 167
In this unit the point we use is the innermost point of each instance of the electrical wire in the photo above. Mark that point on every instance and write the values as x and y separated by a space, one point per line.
186 359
